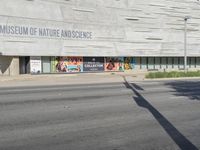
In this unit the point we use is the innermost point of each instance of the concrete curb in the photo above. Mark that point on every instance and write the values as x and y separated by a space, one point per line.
165 79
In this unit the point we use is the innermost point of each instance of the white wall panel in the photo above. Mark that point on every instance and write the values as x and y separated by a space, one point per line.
119 28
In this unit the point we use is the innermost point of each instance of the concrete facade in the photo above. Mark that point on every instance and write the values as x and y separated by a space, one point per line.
118 27
99 28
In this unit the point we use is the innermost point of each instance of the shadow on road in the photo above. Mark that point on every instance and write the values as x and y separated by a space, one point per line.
190 89
177 137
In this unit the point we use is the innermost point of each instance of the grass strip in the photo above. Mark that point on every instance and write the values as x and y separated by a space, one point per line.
172 74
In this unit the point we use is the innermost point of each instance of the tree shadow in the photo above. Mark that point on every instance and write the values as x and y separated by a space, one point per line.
190 89
176 136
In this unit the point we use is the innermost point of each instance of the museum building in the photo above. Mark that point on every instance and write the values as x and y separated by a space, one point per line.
66 36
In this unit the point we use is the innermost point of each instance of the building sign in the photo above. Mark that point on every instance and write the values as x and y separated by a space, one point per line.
35 64
29 31
93 64
114 64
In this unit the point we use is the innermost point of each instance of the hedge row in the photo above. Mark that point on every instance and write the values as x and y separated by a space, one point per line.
173 74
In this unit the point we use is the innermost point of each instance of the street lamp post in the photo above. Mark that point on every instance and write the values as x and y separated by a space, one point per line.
185 42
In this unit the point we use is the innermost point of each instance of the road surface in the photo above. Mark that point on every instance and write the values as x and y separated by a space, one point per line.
153 115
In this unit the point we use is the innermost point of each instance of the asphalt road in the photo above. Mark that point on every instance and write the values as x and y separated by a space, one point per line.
157 115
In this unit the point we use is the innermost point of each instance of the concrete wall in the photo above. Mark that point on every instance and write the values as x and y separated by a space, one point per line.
9 65
119 27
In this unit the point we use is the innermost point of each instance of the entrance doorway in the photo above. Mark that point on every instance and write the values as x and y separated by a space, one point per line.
24 64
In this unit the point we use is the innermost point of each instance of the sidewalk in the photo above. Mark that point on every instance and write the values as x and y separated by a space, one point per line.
69 79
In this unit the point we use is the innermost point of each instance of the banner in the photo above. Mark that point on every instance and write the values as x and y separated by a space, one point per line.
35 64
93 64
69 64
114 64
75 64
129 63
61 64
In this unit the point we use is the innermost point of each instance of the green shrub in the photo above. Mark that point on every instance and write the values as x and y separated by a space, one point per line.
173 74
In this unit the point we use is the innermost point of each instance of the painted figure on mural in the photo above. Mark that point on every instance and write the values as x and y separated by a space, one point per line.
60 66
127 63
78 68
111 64
75 64
114 64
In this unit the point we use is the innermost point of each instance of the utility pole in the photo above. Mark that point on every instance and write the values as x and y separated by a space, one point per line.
185 42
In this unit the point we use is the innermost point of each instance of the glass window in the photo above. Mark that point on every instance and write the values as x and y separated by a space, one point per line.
137 62
181 63
175 64
46 64
150 62
198 62
143 63
192 62
157 63
163 62
188 62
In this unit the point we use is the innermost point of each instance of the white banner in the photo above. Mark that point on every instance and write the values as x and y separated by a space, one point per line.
35 64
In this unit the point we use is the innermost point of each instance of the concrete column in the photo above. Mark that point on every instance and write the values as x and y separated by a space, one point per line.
14 66
9 65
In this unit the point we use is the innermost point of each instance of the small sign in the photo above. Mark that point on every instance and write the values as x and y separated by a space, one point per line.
35 64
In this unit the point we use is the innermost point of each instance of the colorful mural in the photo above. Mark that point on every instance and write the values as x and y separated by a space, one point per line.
69 64
74 64
129 63
114 64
